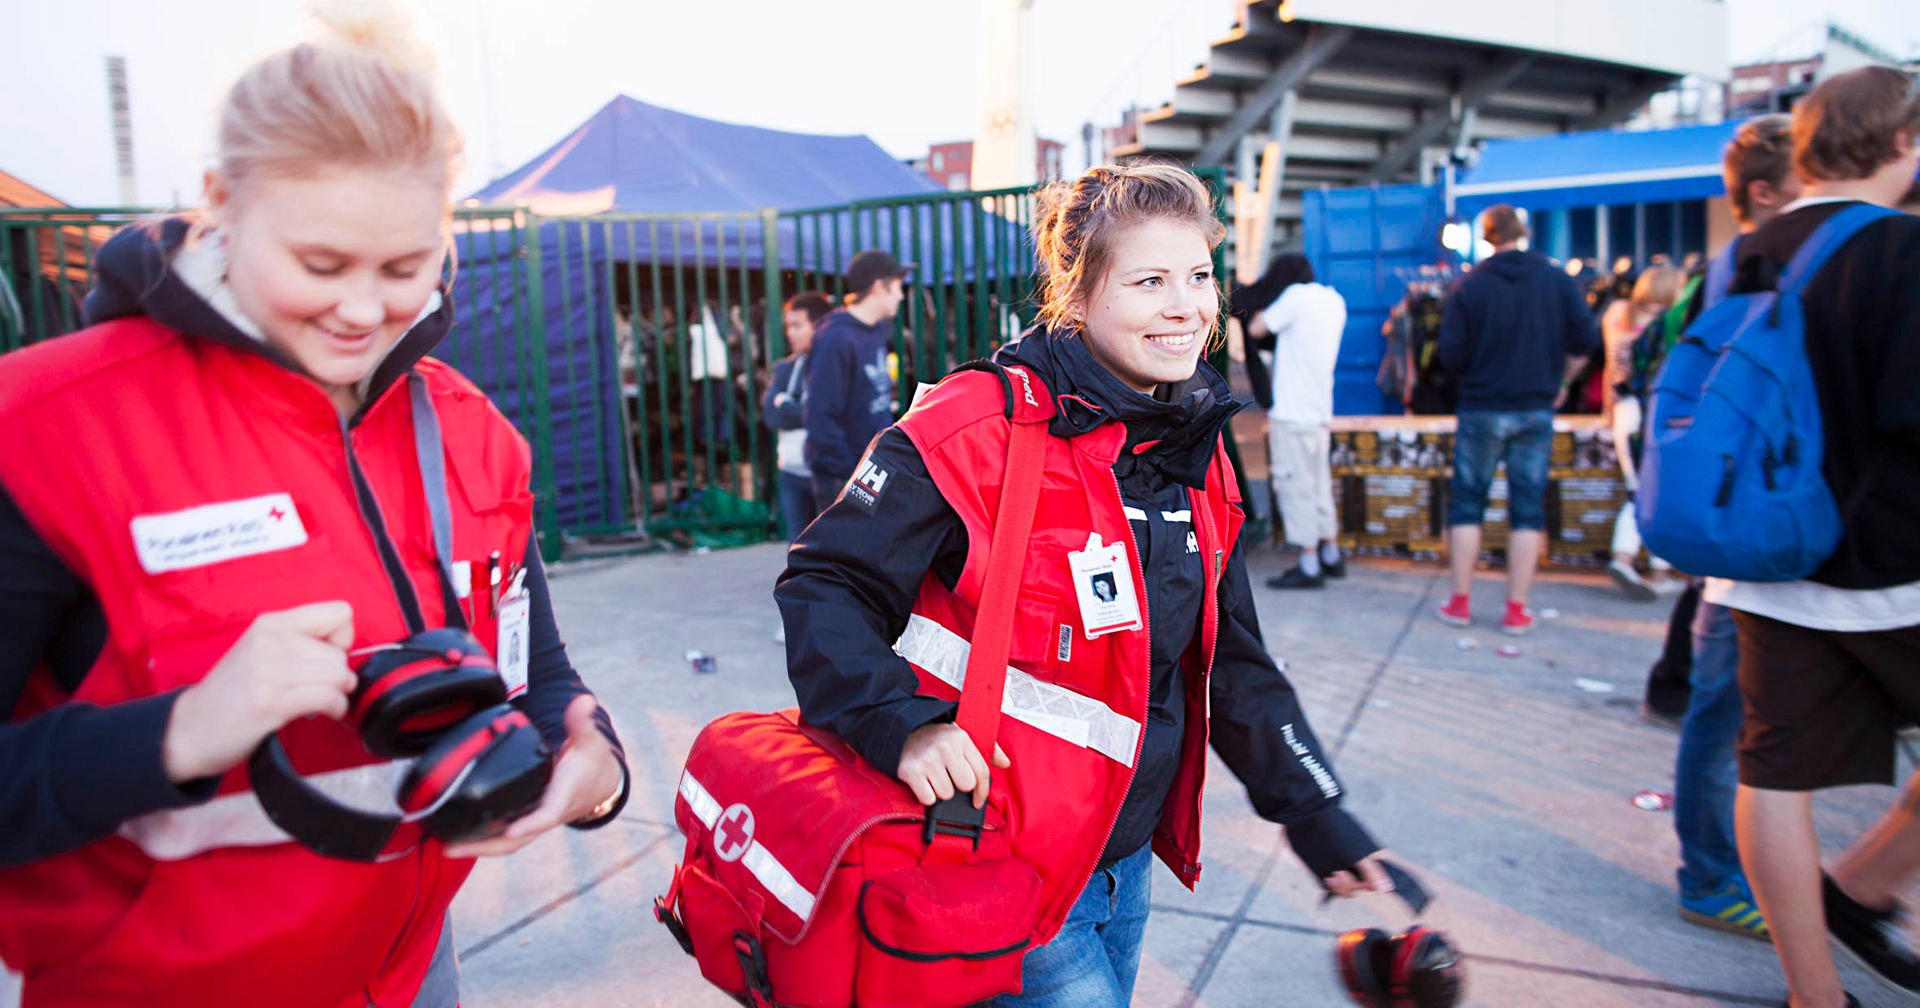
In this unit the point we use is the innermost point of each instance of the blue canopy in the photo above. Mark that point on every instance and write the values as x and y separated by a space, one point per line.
640 158
1597 168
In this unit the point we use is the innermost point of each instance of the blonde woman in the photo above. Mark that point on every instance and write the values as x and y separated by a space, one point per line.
208 499
1620 326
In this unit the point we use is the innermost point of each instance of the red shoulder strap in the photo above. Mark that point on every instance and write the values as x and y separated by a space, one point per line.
986 681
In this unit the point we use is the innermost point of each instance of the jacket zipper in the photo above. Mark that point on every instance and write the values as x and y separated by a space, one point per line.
1206 675
1146 695
378 532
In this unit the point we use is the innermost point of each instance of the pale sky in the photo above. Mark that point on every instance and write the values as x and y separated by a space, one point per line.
520 74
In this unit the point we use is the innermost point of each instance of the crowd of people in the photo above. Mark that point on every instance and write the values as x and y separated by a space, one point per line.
258 556
1777 688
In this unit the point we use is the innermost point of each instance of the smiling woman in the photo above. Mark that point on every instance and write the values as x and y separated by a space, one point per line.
241 513
1134 601
1149 317
333 266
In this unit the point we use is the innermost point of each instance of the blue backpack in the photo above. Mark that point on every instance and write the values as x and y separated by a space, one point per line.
1730 480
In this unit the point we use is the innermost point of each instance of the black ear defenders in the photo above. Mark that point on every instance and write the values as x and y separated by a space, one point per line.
436 696
412 690
1416 968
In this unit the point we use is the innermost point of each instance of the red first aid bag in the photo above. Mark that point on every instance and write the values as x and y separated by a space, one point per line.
809 880
813 880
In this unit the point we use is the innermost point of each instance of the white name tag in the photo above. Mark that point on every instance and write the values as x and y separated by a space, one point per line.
212 533
1103 581
516 622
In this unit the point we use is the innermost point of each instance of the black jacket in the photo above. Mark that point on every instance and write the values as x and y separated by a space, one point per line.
849 392
1863 346
1507 329
852 577
781 403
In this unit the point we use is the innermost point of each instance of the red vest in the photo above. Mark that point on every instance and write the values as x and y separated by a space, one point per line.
1075 708
114 434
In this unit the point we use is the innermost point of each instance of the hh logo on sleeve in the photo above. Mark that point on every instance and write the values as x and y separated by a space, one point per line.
867 485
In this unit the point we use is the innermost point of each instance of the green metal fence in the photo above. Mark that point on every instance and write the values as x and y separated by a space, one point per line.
46 267
972 283
687 306
632 349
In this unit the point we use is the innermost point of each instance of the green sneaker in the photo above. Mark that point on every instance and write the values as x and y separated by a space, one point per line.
1730 909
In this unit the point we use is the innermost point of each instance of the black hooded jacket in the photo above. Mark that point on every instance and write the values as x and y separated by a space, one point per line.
77 771
844 602
1507 329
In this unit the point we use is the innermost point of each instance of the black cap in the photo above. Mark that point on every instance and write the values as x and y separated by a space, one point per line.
871 265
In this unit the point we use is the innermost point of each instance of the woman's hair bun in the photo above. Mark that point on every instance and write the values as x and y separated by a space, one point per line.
382 28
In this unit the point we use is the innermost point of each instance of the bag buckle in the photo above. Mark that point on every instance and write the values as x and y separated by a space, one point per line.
753 970
665 915
955 816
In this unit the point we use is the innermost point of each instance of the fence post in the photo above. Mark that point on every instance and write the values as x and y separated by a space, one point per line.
770 279
546 492
13 314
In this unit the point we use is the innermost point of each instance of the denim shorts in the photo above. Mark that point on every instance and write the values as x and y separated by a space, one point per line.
1524 440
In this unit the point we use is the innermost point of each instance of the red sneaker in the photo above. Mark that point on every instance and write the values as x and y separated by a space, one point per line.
1455 612
1519 619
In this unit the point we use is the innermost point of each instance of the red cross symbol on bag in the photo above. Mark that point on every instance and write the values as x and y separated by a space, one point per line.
733 833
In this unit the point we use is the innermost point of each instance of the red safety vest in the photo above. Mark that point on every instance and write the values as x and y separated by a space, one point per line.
1075 708
193 486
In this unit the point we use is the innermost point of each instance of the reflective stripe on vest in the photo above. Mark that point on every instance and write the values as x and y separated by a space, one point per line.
1050 707
772 874
237 820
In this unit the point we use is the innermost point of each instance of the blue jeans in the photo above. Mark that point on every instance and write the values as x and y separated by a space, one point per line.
796 502
1481 440
1704 776
1091 963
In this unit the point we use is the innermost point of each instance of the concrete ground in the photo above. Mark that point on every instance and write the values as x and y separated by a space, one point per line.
1505 782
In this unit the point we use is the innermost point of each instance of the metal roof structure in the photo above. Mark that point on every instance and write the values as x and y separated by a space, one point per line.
1353 104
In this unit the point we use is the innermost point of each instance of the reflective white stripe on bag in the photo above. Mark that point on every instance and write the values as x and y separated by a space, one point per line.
1050 707
237 820
757 859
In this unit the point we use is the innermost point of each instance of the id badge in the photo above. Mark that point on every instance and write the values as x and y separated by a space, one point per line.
515 622
1103 582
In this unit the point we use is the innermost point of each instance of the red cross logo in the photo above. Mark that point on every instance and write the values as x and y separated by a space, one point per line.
733 833
276 514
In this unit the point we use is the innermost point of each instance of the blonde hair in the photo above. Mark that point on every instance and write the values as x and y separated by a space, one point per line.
1657 289
362 95
1075 224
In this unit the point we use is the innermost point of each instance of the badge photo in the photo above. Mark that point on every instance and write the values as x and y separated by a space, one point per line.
1103 583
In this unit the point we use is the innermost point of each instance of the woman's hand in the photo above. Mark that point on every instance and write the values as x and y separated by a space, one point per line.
586 774
940 761
287 665
1372 878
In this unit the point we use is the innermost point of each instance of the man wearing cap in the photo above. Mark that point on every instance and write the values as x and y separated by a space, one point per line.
849 396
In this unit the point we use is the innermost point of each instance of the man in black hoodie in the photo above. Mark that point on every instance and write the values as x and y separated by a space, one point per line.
849 388
1512 332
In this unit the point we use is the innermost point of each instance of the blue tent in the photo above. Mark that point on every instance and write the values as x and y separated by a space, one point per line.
1597 168
640 158
634 158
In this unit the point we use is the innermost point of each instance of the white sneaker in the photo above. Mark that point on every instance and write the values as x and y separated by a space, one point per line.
1631 583
1667 586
